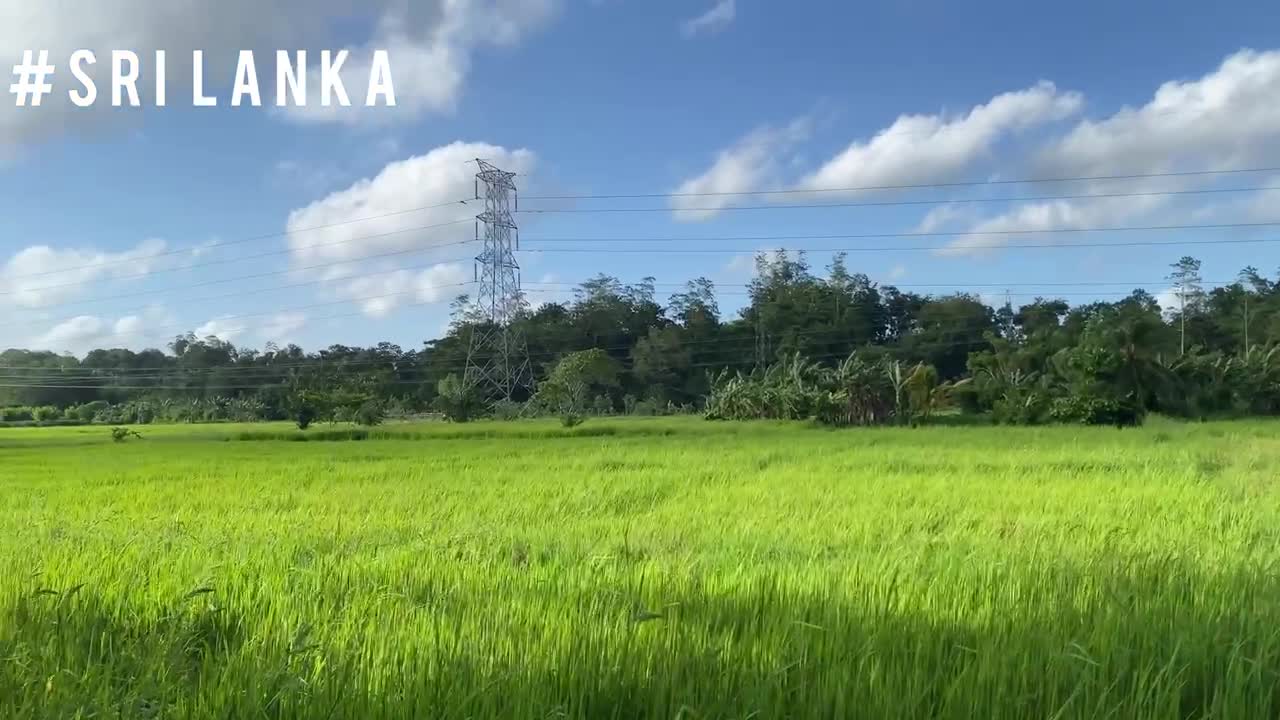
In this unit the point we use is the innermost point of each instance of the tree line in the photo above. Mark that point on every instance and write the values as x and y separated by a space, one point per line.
829 345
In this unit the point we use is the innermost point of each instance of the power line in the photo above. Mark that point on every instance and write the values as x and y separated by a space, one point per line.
899 203
239 241
910 234
223 281
241 258
744 238
568 283
393 213
278 311
1024 294
914 186
912 248
831 335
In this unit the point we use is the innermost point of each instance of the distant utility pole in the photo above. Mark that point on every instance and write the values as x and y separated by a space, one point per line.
1186 273
1246 321
498 358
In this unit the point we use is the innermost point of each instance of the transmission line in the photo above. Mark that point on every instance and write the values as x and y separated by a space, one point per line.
908 248
254 238
914 186
900 203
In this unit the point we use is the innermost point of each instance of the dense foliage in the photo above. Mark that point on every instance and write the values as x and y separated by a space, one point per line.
836 347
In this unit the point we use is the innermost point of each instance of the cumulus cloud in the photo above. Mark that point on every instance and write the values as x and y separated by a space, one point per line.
750 164
988 234
280 327
335 228
225 328
81 334
431 43
1168 300
40 276
1227 119
934 148
719 17
379 295
914 149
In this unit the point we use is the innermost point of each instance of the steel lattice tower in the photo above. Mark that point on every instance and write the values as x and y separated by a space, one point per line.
498 359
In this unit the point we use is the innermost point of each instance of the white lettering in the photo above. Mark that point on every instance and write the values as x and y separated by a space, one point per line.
122 80
331 80
90 94
160 79
246 81
380 82
291 79
197 81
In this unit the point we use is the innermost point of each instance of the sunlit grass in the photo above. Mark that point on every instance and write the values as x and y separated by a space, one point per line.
641 568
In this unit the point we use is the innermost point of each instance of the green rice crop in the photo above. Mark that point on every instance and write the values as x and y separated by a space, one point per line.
656 568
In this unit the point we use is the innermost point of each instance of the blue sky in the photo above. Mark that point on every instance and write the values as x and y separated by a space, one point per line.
128 226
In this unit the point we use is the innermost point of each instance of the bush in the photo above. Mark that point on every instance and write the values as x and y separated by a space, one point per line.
16 414
120 434
304 416
508 410
456 399
602 405
570 420
1094 410
1020 408
89 411
370 414
646 408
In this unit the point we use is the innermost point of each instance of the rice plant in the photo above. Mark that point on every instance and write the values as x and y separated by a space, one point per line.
646 569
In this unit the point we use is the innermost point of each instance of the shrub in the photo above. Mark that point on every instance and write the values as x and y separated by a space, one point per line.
304 416
645 408
1094 410
602 405
508 410
89 411
16 414
1020 407
571 420
456 399
120 434
370 414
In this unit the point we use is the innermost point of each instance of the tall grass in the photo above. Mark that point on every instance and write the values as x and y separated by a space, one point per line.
670 568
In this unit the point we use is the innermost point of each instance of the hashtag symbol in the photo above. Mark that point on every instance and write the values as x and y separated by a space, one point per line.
31 78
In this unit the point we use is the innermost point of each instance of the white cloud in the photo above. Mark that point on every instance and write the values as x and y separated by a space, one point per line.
549 289
741 265
379 295
225 328
991 233
914 149
897 272
750 164
1167 299
431 43
40 276
280 327
933 148
81 334
719 17
1227 119
445 175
